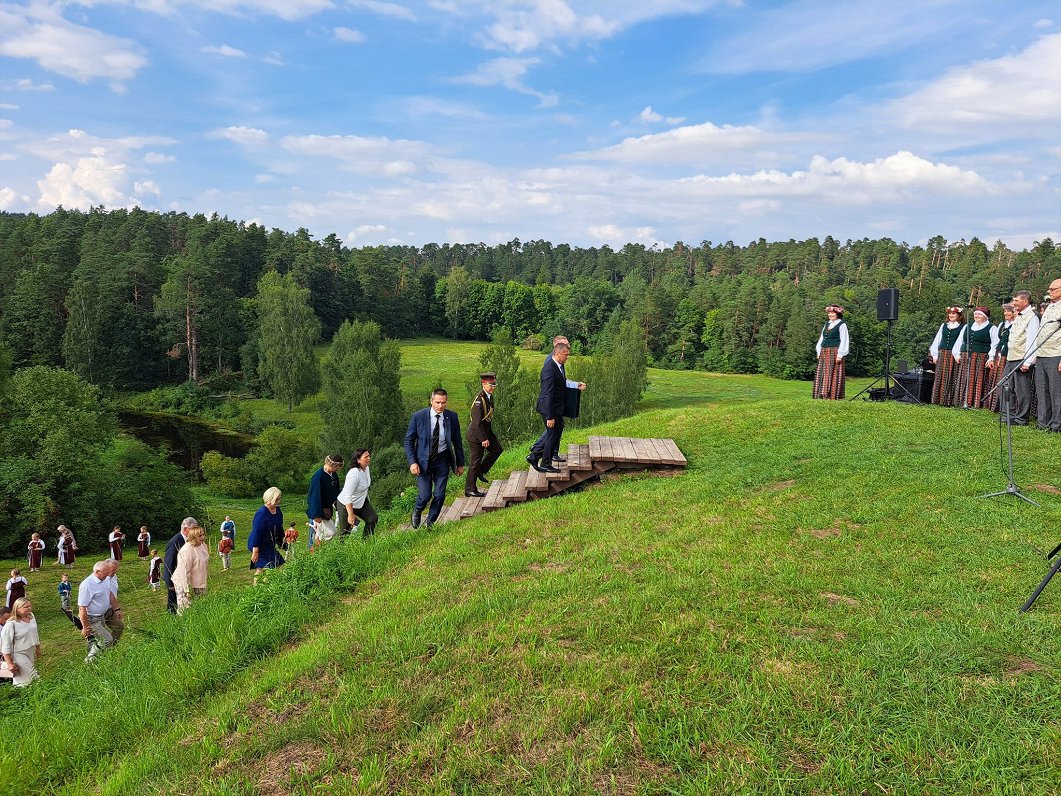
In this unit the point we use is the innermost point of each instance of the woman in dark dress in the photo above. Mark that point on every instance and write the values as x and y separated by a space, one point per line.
1002 332
267 532
944 388
972 353
833 345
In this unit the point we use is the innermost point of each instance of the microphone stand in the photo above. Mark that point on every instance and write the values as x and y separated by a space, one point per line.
1004 383
968 334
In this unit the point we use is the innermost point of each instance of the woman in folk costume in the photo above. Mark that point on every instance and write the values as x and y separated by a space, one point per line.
993 400
973 354
833 345
16 587
154 571
143 544
36 552
941 353
115 539
67 548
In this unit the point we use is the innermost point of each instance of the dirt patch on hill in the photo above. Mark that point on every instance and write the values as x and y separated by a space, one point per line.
839 599
276 770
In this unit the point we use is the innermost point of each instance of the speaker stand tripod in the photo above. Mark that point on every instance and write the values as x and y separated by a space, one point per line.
887 369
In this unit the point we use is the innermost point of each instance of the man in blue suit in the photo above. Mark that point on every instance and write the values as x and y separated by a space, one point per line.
551 399
433 447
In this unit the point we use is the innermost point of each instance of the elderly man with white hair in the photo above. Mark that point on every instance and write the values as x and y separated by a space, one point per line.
98 608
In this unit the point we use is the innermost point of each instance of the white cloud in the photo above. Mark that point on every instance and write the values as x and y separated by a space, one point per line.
364 231
9 199
699 145
649 116
155 158
384 9
350 35
1043 24
508 73
244 136
223 50
288 10
7 106
617 236
274 59
40 33
894 178
433 106
364 155
25 84
811 34
986 97
143 187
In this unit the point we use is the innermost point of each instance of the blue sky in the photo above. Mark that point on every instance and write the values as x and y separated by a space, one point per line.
580 122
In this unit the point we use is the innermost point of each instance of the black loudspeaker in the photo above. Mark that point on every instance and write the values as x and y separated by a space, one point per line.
888 304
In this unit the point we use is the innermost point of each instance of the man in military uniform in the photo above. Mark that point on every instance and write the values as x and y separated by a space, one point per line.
483 447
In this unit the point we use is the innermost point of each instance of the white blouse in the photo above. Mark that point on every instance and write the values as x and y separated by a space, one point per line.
18 636
355 487
934 348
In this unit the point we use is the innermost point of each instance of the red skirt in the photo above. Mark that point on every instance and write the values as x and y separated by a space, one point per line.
829 378
943 388
142 550
972 380
35 557
116 551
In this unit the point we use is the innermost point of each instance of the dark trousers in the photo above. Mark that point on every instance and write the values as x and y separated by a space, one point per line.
171 599
548 444
431 486
480 460
1021 393
1048 393
367 515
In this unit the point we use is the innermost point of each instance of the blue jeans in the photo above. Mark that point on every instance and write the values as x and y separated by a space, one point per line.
431 486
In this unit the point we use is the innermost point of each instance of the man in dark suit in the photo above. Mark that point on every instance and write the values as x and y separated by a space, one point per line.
551 399
483 447
169 561
433 447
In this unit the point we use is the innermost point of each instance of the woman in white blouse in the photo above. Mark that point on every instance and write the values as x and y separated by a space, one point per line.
833 345
944 388
355 493
974 354
20 644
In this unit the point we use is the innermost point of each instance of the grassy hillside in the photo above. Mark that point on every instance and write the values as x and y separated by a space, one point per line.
820 604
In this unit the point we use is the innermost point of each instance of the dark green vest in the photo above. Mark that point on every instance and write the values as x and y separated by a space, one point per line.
979 341
1003 339
949 337
831 337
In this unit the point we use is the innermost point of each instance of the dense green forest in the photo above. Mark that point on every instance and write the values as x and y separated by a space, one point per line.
130 300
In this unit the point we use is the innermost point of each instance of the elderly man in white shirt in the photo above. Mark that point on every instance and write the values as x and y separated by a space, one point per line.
99 609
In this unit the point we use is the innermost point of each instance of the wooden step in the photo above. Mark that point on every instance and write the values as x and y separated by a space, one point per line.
494 499
578 457
471 507
515 490
536 482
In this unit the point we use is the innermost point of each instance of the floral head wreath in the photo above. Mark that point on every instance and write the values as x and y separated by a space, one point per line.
835 308
954 309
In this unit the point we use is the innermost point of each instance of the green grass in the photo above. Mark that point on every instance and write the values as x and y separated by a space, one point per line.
821 603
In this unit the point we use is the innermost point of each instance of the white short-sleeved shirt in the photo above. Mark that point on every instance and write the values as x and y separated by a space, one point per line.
95 595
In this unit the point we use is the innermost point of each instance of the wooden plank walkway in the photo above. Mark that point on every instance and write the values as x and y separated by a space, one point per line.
585 462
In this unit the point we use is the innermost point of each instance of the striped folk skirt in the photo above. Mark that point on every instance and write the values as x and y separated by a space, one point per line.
994 400
829 378
972 380
943 388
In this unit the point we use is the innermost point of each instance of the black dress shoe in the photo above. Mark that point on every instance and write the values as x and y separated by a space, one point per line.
474 493
548 469
482 478
559 458
416 519
532 460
